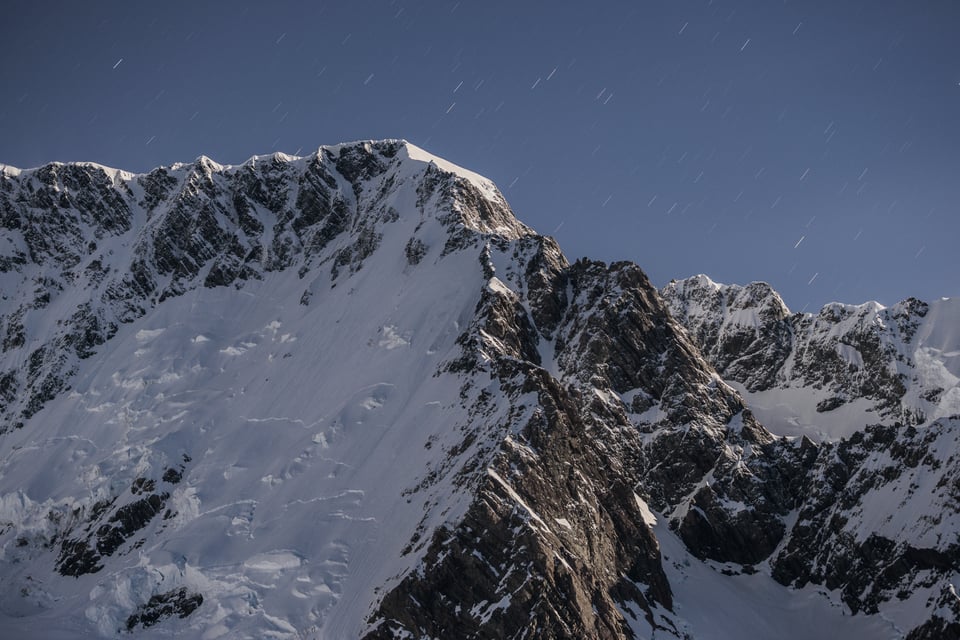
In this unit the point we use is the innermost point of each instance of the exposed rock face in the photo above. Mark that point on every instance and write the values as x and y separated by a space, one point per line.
842 542
351 395
164 605
619 390
745 332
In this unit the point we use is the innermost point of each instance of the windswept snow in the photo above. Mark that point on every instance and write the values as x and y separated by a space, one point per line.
277 474
483 184
648 516
712 605
792 411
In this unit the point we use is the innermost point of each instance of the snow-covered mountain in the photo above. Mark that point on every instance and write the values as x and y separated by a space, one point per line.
880 387
830 374
350 395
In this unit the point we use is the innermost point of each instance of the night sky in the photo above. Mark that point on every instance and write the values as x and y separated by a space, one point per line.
813 144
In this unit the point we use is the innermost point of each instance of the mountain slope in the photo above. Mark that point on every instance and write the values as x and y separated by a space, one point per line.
228 412
351 395
878 519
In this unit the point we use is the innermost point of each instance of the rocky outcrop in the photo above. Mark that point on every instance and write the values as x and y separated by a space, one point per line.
86 535
163 605
745 332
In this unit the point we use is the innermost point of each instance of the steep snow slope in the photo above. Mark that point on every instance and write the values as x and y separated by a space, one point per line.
301 427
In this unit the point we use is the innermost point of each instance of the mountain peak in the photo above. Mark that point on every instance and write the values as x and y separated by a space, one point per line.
485 185
702 294
858 363
701 280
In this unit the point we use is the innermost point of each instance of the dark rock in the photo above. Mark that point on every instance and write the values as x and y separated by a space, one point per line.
77 559
179 602
83 555
415 250
830 404
944 622
142 485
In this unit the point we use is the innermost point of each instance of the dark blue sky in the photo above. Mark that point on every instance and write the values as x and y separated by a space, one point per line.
686 135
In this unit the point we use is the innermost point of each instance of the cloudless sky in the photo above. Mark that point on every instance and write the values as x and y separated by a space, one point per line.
813 144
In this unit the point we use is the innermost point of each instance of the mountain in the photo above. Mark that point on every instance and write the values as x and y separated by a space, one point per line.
880 387
351 395
831 373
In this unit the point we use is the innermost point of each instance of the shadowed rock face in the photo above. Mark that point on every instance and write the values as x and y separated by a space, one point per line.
592 404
